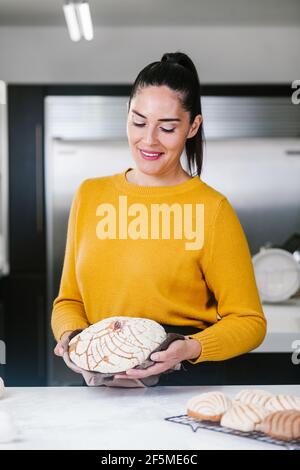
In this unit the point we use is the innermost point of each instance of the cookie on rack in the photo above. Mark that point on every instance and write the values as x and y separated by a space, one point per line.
244 417
253 396
283 402
208 406
284 425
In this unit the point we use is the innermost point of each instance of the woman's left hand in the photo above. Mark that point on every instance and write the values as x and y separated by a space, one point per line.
178 351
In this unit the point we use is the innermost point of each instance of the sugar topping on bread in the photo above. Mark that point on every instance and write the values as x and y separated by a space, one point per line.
254 396
116 344
244 417
208 406
284 425
283 402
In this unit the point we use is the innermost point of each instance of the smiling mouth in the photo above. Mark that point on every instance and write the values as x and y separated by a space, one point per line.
150 155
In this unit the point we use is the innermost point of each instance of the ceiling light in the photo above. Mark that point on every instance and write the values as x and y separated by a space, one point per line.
78 19
72 22
85 20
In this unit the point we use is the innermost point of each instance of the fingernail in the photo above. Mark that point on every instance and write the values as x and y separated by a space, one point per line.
154 357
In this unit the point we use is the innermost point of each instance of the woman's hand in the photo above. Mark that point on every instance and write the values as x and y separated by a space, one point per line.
179 350
60 347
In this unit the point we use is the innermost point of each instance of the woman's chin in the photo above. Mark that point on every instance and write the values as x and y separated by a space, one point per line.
150 168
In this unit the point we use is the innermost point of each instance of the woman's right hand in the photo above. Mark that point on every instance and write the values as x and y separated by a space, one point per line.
60 347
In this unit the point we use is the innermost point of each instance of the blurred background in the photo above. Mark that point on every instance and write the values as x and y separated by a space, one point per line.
65 79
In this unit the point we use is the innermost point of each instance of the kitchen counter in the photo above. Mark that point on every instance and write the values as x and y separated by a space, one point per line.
116 418
283 333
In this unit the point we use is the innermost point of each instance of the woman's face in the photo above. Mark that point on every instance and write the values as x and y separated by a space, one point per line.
157 123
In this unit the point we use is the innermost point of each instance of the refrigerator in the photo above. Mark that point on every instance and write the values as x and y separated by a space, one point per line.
84 138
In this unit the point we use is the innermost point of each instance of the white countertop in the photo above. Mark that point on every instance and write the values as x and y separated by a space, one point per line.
116 418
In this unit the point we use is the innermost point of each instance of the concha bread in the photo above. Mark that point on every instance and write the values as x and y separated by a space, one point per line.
244 417
283 425
208 406
283 402
116 344
254 396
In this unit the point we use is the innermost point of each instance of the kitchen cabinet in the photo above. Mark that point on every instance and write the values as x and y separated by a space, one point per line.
26 179
25 328
2 331
25 289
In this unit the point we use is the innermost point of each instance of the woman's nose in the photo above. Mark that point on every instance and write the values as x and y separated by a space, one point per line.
150 135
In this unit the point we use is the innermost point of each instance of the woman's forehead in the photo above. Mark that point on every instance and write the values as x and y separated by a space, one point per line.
157 100
157 91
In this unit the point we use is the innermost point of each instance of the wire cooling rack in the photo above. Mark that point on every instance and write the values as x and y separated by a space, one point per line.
211 426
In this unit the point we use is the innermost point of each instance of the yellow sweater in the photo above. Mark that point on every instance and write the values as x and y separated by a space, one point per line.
175 254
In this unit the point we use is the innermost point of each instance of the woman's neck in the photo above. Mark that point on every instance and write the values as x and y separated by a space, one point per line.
141 179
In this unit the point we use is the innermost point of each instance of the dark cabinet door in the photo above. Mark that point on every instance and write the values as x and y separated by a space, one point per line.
26 179
24 291
25 331
2 330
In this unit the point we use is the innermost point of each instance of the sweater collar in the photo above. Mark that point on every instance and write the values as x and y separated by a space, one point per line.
131 188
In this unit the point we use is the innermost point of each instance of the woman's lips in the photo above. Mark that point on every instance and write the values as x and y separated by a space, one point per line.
148 156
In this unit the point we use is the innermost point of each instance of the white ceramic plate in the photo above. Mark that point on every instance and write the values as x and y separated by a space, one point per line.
277 274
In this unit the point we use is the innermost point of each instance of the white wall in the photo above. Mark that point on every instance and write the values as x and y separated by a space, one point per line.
116 55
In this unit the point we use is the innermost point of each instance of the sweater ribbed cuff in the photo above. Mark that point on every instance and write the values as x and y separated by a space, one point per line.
68 317
70 326
210 345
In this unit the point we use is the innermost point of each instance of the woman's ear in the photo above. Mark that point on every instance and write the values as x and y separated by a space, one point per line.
195 126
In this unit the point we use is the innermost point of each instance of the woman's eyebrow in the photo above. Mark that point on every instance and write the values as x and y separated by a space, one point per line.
165 119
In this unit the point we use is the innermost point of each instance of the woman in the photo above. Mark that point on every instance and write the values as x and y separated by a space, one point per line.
191 273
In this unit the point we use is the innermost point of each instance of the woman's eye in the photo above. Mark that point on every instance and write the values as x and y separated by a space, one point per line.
165 130
139 125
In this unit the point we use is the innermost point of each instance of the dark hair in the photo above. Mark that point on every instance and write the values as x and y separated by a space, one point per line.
177 71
